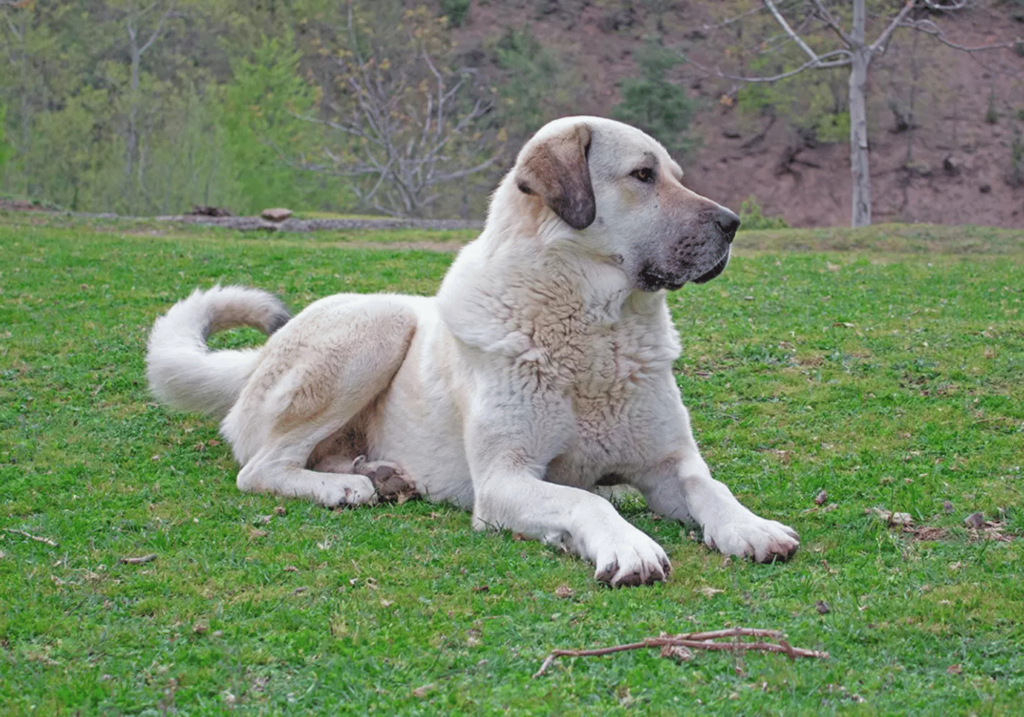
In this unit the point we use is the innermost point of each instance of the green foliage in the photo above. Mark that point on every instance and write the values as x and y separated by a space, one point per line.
5 148
264 136
814 102
833 128
73 99
885 371
753 218
457 11
535 86
654 103
992 111
1015 177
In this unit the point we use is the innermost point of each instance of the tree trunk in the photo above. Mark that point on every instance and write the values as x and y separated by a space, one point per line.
132 140
860 173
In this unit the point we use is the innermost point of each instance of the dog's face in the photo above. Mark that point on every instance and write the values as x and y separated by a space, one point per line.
621 195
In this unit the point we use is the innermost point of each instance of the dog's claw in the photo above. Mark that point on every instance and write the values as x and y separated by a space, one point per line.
607 575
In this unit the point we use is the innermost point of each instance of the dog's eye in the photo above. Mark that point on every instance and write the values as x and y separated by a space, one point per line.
644 174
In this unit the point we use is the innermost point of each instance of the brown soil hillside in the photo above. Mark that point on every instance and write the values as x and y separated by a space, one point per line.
954 165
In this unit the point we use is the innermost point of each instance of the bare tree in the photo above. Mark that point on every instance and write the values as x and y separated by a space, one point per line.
14 36
407 122
855 52
135 17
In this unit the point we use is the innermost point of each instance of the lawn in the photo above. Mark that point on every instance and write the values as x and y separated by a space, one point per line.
883 367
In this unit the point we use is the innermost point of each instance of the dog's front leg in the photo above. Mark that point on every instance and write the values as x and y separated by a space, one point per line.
581 522
510 494
682 488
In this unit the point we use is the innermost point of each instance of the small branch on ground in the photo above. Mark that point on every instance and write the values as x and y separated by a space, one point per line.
694 641
38 539
140 560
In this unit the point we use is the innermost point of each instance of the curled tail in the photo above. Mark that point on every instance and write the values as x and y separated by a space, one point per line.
183 372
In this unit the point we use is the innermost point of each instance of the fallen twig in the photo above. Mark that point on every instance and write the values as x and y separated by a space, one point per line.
138 561
37 538
696 641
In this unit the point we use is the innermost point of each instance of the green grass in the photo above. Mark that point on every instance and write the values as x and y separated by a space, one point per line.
883 366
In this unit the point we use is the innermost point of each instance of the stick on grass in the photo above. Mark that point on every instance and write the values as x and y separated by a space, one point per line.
138 561
696 641
37 538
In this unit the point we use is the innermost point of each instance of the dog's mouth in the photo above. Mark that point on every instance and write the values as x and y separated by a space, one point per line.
715 270
650 278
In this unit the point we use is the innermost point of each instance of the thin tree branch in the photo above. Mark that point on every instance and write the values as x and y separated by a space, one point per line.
159 27
731 20
696 641
959 5
833 23
930 28
821 62
37 538
883 39
790 31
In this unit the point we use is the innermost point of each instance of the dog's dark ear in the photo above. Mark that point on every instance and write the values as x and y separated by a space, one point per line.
556 171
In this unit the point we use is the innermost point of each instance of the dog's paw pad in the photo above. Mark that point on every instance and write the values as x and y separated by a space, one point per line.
389 480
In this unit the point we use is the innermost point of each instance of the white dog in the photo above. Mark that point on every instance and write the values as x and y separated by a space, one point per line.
542 368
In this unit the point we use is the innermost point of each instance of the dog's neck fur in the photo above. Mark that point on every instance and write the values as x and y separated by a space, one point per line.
529 299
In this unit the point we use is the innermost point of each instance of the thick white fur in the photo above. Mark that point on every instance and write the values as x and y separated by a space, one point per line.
538 370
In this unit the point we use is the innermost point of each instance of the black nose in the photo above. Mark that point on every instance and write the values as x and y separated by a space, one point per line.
728 222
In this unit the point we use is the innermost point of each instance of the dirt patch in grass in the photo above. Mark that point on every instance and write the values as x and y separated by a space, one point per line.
20 205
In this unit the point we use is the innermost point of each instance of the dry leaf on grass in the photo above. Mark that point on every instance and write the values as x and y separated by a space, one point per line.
975 520
422 691
890 517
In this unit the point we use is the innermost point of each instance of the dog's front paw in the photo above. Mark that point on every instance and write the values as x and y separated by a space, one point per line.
632 560
749 536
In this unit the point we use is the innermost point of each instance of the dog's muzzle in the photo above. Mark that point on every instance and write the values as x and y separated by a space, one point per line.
715 270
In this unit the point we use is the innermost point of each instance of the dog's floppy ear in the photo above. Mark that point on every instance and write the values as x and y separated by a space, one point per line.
555 170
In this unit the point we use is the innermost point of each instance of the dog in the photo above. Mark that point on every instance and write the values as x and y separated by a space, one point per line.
541 370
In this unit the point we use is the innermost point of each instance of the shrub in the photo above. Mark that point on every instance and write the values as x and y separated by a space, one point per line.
533 85
653 103
753 218
1015 177
457 11
991 114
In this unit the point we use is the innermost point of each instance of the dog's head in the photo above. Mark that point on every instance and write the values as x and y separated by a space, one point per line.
617 192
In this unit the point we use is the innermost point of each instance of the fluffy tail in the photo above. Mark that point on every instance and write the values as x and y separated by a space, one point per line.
183 372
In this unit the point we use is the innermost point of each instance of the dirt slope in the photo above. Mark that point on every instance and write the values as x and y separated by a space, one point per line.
959 169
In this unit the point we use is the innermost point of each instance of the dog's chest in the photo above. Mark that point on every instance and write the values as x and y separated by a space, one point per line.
615 376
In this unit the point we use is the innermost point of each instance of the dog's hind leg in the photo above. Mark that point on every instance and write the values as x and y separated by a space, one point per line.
320 376
279 470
